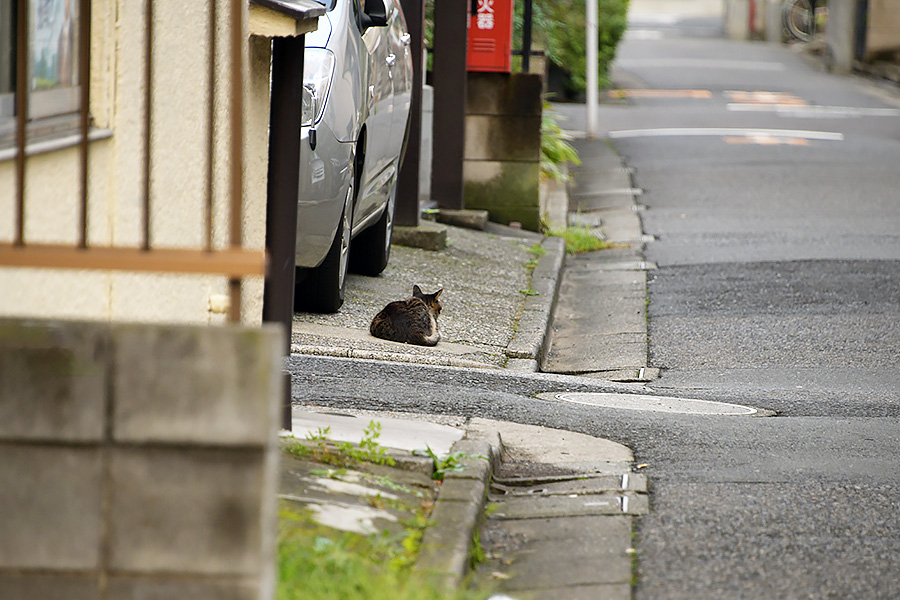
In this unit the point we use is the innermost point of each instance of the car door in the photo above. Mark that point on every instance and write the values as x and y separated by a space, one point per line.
380 104
402 74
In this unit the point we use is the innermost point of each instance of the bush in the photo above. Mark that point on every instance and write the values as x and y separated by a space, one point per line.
556 151
559 29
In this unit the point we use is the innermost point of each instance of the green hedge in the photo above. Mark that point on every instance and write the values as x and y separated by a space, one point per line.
559 29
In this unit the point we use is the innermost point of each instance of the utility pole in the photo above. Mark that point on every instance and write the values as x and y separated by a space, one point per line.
591 66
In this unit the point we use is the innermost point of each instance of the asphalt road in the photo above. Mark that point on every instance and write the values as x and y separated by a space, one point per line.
778 287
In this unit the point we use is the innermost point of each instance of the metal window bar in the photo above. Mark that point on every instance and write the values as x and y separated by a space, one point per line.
84 80
21 116
233 262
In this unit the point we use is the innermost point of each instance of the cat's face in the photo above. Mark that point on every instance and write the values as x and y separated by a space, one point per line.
429 299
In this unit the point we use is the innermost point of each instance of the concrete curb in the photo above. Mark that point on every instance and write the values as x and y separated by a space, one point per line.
459 512
341 352
526 349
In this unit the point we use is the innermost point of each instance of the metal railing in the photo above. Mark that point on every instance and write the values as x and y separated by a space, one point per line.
234 262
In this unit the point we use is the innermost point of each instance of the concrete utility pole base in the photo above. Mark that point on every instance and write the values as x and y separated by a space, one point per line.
428 236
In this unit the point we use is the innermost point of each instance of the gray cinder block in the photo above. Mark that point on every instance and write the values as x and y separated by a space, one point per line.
50 507
52 381
146 588
49 586
187 510
198 385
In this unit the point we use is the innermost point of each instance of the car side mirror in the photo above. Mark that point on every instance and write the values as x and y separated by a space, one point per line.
374 14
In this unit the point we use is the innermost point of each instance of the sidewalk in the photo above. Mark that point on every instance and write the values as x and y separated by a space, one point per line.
489 318
561 504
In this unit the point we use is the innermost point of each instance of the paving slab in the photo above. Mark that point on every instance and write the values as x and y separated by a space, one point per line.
616 591
613 531
532 571
550 486
552 535
574 505
549 446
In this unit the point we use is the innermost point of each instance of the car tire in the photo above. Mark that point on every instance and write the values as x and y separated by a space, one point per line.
372 248
321 289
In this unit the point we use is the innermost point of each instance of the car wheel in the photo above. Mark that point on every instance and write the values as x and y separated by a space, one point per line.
322 289
372 248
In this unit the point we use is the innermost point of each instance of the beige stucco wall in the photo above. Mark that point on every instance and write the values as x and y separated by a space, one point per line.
116 181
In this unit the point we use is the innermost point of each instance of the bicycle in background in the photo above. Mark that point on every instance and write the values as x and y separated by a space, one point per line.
800 18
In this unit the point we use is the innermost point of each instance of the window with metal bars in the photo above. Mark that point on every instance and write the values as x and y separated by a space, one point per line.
52 64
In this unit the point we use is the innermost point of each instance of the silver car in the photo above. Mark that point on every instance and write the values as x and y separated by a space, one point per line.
356 97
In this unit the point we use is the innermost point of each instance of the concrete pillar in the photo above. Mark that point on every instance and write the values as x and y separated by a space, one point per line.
427 143
774 29
737 21
841 35
503 147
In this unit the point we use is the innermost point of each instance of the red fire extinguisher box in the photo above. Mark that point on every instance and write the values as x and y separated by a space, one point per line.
490 36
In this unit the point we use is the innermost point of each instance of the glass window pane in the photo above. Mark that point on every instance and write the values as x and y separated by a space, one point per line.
7 47
54 31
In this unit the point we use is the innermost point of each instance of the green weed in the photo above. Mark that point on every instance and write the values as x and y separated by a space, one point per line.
342 454
579 239
319 564
445 464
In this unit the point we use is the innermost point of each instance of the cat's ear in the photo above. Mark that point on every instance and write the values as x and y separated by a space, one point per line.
438 293
417 291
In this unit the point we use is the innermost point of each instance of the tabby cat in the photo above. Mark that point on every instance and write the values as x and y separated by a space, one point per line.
411 321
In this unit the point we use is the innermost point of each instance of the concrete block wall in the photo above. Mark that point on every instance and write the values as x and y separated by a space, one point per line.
137 461
501 172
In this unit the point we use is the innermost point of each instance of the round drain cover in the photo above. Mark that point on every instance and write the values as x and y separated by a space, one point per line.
664 404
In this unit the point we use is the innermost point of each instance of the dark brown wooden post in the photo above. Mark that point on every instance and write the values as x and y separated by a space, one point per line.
407 209
281 198
450 36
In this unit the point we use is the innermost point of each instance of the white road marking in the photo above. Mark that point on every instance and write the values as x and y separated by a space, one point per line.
652 18
701 63
815 112
643 34
829 136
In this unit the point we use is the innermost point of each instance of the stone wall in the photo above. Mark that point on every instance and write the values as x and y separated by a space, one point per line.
137 461
503 147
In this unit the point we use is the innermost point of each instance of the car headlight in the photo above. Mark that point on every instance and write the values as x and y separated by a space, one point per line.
318 69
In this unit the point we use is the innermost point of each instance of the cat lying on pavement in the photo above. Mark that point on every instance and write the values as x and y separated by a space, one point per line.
411 321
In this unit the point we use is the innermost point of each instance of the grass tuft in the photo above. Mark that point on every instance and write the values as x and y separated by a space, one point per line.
579 239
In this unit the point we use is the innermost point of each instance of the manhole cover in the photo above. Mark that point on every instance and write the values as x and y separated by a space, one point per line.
663 404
